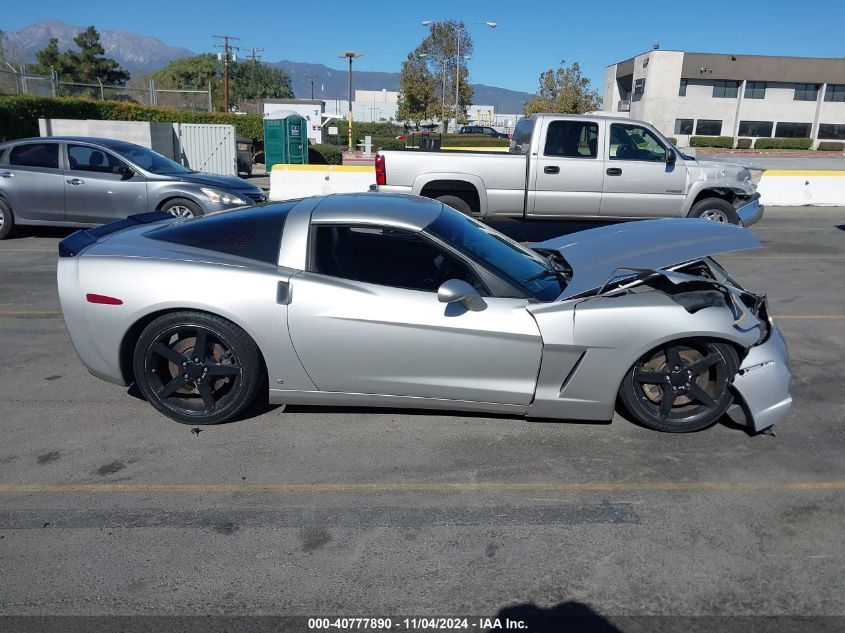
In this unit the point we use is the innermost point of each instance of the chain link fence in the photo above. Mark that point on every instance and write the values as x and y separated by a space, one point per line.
14 82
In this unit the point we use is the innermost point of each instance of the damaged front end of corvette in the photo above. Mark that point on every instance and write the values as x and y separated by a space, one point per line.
644 267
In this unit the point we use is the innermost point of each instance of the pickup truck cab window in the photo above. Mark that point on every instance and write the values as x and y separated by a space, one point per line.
633 142
521 140
572 139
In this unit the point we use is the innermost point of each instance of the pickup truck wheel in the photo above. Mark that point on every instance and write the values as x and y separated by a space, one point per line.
456 203
7 220
715 210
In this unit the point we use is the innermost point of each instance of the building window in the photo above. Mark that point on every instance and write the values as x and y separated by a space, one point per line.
793 130
682 89
639 86
806 92
835 92
756 128
683 126
832 131
755 89
725 89
708 127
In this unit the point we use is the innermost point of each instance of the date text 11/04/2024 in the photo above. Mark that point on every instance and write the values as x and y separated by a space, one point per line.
416 624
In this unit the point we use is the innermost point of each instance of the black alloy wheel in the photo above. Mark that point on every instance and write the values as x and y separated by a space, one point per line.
681 387
197 368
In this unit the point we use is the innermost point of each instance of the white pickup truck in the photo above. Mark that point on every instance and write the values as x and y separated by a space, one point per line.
576 166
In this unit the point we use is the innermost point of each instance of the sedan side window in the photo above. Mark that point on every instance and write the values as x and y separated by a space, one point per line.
632 142
387 257
35 155
85 158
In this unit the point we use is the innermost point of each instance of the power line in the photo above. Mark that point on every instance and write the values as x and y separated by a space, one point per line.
226 58
253 54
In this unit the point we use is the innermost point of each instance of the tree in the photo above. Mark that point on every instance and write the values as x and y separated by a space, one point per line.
563 90
189 73
431 67
86 65
255 80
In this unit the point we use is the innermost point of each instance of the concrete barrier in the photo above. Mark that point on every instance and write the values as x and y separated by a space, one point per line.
288 182
796 188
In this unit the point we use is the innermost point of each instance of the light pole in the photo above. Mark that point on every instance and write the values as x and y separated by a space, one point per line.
458 29
443 88
351 55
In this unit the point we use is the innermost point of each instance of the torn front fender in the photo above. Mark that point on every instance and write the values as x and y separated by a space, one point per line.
762 384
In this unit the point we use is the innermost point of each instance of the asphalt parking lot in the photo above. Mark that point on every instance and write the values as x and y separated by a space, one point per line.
106 507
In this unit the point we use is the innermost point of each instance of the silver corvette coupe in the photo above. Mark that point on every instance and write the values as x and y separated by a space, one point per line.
400 301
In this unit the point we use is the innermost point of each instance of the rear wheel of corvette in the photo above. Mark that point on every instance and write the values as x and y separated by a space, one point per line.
182 208
7 220
682 386
197 368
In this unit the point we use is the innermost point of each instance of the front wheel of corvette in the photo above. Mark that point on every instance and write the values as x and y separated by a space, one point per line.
197 368
680 387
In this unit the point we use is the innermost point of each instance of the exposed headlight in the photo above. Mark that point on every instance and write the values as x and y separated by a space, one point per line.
222 196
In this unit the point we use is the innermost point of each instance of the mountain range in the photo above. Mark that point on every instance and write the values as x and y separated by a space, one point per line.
140 54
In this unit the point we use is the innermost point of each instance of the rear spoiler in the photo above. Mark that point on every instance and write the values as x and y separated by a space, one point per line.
75 243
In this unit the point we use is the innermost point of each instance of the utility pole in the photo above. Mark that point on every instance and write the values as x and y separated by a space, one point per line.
254 56
226 58
312 78
351 55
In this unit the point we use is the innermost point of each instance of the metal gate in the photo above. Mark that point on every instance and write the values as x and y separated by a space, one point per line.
208 147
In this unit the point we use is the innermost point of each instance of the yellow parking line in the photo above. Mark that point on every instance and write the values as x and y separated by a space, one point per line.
809 317
421 487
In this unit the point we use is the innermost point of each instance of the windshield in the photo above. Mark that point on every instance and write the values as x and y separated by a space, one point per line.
520 265
147 159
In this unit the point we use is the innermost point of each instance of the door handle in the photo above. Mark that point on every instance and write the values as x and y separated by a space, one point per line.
6 174
283 293
551 169
614 171
75 181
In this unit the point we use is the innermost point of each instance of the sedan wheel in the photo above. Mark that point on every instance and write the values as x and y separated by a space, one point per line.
182 208
197 368
681 387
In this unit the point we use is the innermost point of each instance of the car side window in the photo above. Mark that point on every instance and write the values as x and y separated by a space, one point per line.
633 142
35 155
387 257
572 139
86 158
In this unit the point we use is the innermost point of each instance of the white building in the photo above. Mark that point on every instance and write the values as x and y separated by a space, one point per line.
741 96
311 109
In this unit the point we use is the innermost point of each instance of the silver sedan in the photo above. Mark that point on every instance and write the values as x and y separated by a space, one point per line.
400 301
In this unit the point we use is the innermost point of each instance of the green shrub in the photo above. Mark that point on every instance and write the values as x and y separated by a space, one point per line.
322 154
783 143
19 115
360 130
712 141
387 142
743 143
672 139
473 140
831 146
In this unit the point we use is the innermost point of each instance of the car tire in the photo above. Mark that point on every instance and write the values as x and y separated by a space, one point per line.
458 204
715 210
182 208
7 219
194 387
699 373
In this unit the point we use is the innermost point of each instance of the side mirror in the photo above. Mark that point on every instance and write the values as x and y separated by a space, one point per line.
123 171
670 156
455 290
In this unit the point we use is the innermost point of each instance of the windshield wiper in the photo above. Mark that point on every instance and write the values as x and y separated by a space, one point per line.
549 272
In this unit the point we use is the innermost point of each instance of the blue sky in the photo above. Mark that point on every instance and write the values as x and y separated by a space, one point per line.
531 36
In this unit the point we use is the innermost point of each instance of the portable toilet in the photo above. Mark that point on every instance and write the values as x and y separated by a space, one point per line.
285 139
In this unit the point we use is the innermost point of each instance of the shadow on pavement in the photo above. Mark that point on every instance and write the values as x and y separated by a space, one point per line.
563 617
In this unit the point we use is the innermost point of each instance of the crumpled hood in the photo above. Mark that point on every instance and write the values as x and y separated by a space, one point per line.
595 254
